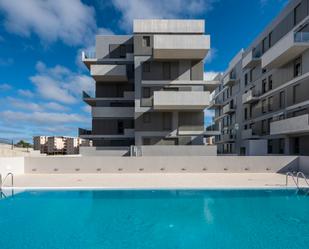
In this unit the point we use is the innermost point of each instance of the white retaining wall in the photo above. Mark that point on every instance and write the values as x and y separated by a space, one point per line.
211 164
13 165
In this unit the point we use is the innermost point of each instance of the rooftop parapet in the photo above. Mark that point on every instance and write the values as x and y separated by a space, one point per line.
168 26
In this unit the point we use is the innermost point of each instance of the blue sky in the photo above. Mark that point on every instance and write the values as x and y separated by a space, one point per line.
41 76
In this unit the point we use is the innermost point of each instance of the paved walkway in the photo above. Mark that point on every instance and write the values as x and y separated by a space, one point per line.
152 181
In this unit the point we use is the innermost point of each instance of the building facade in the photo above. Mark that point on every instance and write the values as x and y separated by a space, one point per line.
150 88
59 145
262 104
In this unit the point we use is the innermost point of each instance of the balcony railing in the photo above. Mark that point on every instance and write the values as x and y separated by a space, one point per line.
227 109
301 37
250 97
89 55
294 125
249 134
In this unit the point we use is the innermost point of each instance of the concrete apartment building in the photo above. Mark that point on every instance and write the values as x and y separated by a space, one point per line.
54 145
262 104
149 86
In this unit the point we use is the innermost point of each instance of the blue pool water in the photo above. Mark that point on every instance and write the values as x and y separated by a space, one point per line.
155 219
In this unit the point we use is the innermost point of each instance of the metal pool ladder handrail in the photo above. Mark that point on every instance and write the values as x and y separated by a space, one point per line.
2 182
303 176
298 174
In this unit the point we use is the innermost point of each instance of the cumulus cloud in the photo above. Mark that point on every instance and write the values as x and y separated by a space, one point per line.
25 93
60 83
139 9
39 118
6 61
70 21
212 54
5 87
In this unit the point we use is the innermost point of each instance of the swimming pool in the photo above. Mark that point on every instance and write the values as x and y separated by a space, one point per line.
155 219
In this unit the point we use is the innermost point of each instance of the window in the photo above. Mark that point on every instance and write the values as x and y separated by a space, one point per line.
270 82
167 121
166 70
146 118
297 14
264 106
270 39
268 124
270 146
296 93
251 110
146 67
246 79
270 103
281 146
296 145
146 41
251 74
264 86
246 113
264 44
281 99
264 127
297 67
146 92
123 51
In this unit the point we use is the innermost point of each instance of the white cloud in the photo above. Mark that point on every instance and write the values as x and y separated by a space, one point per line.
55 106
39 118
23 105
5 87
210 75
139 9
25 93
212 54
60 84
87 109
70 21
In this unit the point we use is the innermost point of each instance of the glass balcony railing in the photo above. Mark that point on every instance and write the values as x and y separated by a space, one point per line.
301 37
90 54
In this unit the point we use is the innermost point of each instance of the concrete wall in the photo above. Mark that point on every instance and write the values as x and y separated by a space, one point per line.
211 164
180 150
97 151
304 164
13 165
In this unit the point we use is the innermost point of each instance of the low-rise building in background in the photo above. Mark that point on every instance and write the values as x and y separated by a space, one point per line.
59 145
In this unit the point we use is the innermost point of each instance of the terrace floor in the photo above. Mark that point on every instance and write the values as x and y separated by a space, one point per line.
153 181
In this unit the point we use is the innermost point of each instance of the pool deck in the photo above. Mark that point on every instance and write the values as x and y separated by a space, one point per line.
152 181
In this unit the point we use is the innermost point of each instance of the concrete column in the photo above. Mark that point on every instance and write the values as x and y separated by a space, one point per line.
287 147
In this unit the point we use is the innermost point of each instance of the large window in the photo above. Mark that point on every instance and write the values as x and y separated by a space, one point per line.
264 86
297 67
296 93
281 99
297 14
270 103
264 106
146 67
146 41
270 82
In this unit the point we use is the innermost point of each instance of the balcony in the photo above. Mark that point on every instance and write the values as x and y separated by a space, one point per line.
225 138
212 130
213 104
248 134
250 97
127 95
290 126
180 46
127 133
112 112
172 100
286 49
109 72
228 109
229 79
252 59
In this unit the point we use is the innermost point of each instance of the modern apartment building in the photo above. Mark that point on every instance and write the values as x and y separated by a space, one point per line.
40 143
262 104
150 88
59 145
